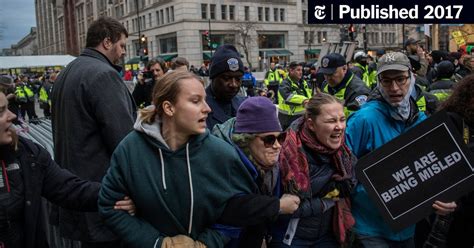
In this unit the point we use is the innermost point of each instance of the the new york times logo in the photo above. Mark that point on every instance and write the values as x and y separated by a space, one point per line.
338 11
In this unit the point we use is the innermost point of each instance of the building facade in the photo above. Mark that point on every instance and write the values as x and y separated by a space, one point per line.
28 45
263 31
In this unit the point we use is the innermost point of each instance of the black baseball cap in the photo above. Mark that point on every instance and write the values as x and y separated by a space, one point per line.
411 41
331 62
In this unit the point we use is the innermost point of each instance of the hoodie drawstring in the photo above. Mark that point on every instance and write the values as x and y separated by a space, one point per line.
191 213
162 169
191 189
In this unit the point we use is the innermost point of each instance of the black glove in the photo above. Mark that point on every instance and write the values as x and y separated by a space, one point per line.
344 187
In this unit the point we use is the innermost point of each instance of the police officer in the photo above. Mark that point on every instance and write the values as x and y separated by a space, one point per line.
361 69
442 86
293 94
341 83
272 80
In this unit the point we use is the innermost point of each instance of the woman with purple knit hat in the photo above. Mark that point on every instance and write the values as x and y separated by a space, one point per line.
257 136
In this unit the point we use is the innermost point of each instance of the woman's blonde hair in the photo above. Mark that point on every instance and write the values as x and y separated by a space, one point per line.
166 88
313 107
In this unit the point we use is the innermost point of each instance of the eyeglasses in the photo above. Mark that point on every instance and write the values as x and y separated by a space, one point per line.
269 140
400 81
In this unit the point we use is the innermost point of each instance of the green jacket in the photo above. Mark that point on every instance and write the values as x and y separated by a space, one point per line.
169 199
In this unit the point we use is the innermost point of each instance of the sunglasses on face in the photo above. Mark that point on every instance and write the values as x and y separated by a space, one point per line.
269 140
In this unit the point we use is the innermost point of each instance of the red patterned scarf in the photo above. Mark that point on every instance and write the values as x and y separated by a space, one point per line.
295 171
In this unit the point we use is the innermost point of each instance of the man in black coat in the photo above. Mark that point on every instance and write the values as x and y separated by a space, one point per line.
92 110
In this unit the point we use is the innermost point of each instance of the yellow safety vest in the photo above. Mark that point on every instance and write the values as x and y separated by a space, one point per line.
340 95
421 103
296 101
20 95
273 76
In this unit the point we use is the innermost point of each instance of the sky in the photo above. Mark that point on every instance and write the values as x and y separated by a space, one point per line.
16 19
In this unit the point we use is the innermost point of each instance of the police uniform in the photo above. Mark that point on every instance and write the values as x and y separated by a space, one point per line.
352 90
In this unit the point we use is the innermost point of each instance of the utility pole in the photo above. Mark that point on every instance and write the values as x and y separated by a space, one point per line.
139 32
435 37
210 37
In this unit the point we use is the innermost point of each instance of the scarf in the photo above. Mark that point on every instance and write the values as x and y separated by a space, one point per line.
294 168
402 110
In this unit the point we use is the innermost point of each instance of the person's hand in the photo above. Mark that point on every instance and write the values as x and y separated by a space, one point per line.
181 241
420 52
444 208
289 203
305 102
126 205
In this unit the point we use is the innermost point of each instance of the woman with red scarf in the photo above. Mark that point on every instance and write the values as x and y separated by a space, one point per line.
316 165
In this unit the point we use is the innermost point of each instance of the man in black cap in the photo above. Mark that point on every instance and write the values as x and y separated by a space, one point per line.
413 49
226 71
341 83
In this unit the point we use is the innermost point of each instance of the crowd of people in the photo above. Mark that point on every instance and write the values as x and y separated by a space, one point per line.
176 163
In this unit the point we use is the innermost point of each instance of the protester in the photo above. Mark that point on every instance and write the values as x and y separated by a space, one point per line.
144 88
460 107
172 164
317 166
413 48
389 112
92 112
179 63
28 174
257 136
293 93
341 83
226 71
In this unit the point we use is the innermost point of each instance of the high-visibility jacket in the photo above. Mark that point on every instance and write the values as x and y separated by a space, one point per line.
273 78
370 78
442 88
291 96
353 94
24 94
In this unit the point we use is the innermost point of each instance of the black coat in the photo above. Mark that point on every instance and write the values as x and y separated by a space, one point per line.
92 111
42 177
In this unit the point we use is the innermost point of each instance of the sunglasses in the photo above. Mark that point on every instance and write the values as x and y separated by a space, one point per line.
269 140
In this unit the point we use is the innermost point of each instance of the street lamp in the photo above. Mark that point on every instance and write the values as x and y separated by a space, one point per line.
139 32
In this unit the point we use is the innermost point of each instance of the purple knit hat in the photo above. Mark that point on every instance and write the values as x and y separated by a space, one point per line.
257 115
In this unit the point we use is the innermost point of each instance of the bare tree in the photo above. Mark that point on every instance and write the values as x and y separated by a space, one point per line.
245 31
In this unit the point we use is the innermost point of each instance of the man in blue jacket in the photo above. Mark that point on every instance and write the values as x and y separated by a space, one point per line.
389 112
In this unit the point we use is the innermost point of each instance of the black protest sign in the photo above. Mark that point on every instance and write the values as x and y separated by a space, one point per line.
405 176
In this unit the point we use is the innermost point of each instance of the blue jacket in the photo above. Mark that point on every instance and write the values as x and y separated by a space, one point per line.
368 129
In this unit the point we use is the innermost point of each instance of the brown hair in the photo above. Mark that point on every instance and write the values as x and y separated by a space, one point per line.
14 143
178 62
313 107
104 27
159 61
461 100
166 88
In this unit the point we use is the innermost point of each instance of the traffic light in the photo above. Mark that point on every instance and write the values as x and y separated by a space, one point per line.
145 51
143 39
207 38
352 32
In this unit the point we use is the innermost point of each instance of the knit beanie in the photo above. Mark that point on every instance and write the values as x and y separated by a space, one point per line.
226 58
257 115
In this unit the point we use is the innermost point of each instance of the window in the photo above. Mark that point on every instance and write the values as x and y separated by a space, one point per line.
162 17
172 13
212 11
167 15
224 12
275 14
306 37
168 45
143 22
149 20
157 18
232 12
217 39
246 13
322 36
271 41
267 14
305 17
127 25
282 15
260 14
204 11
